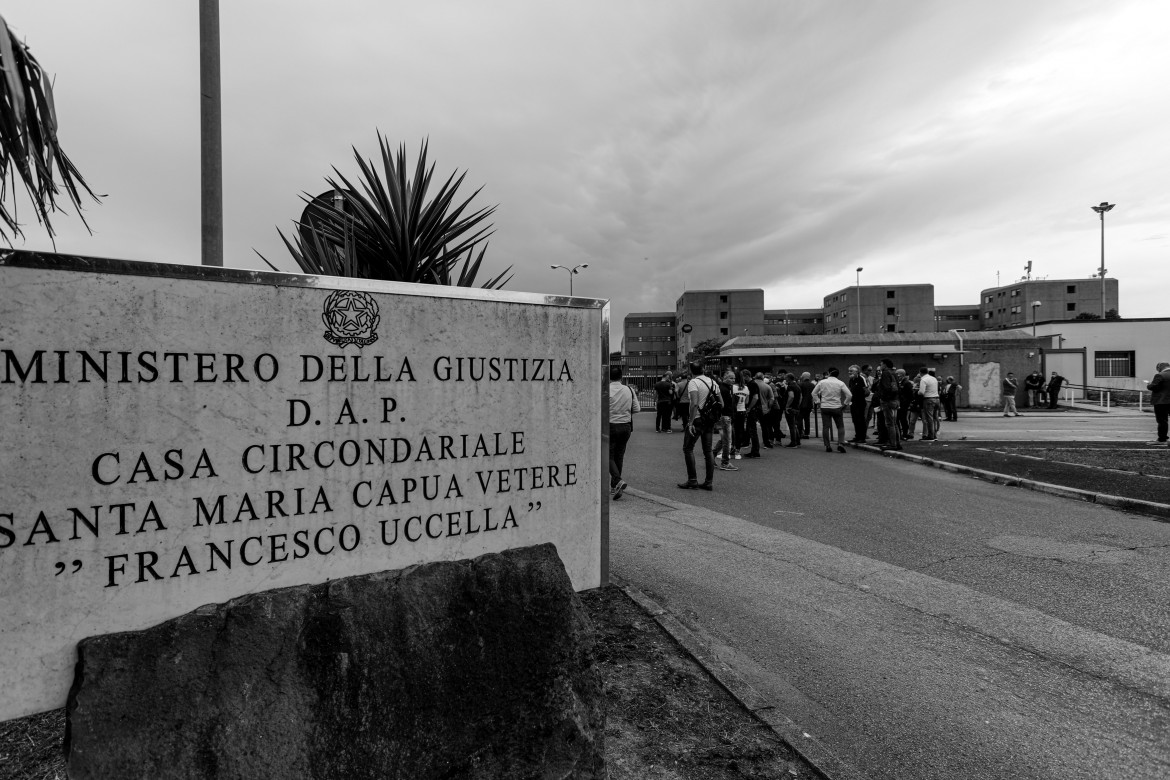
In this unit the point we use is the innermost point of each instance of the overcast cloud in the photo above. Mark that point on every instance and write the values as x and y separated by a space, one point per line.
667 144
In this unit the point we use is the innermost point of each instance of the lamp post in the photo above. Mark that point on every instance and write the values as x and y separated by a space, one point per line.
1101 211
859 270
575 269
1035 305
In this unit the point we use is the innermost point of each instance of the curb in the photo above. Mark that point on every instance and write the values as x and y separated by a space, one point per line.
819 757
1154 510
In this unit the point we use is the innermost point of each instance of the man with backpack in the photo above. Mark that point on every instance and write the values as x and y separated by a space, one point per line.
705 409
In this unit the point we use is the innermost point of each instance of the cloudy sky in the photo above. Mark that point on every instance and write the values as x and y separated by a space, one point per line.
670 145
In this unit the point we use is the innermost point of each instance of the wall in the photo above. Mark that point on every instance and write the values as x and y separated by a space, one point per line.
1148 339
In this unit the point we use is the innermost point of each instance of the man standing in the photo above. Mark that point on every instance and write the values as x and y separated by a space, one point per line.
1032 385
887 396
623 405
665 391
928 389
768 408
1054 385
726 436
832 396
1159 388
806 402
753 415
1009 396
906 392
697 390
792 401
859 403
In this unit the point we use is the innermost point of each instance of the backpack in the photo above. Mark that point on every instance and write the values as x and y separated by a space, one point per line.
711 410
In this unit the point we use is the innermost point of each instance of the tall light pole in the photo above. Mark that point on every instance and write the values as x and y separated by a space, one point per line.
1101 211
1035 305
859 270
574 270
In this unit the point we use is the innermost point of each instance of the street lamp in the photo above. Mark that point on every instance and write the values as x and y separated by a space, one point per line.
858 329
575 269
1035 305
1101 211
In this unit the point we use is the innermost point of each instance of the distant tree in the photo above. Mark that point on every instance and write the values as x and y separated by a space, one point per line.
1112 315
387 228
1087 315
708 347
28 140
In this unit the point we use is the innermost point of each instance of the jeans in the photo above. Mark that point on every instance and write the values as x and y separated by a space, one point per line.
662 416
619 437
740 422
890 415
793 418
857 412
725 444
1162 414
829 416
1009 403
752 433
689 454
805 421
929 418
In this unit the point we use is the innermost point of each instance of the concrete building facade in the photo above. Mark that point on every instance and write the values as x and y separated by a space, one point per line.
895 308
1011 305
707 314
794 322
648 345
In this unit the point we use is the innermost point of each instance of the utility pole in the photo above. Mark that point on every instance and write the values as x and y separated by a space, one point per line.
210 134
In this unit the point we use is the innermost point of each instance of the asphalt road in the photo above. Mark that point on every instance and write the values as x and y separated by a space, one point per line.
920 624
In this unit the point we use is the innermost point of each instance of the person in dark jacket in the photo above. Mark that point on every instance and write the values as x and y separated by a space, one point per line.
1032 386
1054 385
859 389
806 402
792 401
665 392
906 396
887 397
1159 388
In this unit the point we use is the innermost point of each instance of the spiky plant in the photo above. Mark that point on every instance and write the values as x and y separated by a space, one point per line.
28 140
387 228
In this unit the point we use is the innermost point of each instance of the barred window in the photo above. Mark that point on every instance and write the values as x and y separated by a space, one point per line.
1106 364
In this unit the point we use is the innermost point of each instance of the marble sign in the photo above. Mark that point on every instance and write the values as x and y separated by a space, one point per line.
177 436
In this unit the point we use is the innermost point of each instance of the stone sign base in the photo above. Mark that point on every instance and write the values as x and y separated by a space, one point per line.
475 669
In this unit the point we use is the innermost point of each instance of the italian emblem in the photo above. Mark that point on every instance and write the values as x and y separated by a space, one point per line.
350 318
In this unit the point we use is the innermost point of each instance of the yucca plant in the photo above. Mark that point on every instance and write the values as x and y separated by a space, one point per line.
28 140
387 228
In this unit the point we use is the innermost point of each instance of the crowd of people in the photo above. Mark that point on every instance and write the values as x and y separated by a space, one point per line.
760 410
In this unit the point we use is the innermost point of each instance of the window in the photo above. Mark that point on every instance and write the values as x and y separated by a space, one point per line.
1071 289
723 331
987 315
723 299
890 328
989 299
1015 293
1070 307
891 311
722 315
889 293
1107 364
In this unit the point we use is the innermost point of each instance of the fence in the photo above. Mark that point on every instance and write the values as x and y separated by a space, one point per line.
1107 397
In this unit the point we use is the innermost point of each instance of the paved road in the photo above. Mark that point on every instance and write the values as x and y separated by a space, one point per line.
919 623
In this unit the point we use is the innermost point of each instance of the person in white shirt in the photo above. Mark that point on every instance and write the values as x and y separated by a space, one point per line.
623 405
832 396
697 390
928 389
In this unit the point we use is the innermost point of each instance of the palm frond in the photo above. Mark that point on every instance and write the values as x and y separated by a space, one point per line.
387 226
28 141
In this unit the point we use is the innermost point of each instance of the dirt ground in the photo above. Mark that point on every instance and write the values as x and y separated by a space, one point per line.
666 718
1115 468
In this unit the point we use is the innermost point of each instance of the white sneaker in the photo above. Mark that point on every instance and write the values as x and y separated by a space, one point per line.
738 456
